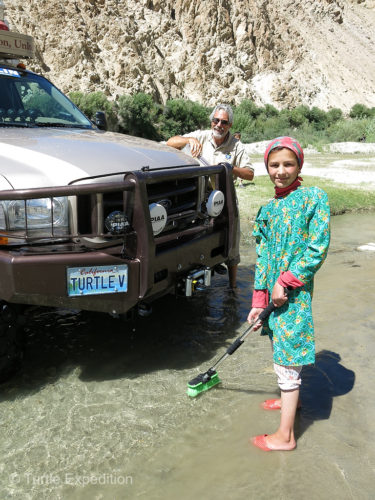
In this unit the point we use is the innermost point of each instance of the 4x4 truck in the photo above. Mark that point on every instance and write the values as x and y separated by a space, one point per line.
94 220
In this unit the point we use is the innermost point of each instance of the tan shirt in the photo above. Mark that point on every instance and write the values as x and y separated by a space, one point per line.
231 151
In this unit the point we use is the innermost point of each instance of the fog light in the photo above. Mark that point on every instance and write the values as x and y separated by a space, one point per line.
116 222
158 217
215 203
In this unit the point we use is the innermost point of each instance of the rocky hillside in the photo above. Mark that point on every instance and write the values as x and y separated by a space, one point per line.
282 52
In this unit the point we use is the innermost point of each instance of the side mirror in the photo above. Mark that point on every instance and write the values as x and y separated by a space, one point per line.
101 120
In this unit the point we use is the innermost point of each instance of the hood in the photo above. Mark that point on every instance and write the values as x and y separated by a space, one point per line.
32 158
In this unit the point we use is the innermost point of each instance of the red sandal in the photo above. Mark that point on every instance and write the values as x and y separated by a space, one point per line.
275 404
260 442
271 404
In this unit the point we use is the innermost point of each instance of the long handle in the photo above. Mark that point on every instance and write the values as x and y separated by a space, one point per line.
240 340
262 316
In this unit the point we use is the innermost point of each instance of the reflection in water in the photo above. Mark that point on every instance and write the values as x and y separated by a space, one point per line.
101 397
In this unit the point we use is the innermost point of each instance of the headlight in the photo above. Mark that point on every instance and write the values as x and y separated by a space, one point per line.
3 224
37 214
36 218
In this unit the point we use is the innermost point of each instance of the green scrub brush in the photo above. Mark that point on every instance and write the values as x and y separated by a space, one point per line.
204 381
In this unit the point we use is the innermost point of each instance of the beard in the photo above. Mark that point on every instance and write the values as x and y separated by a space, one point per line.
218 134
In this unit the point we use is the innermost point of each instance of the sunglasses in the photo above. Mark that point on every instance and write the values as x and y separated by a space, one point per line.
217 120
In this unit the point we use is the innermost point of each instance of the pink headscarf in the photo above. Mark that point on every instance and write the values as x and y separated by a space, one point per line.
285 142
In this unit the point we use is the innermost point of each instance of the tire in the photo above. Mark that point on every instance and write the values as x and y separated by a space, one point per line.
11 348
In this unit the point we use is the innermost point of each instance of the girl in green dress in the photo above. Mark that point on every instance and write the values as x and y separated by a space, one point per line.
292 238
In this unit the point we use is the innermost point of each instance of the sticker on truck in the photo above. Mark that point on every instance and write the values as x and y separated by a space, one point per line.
96 280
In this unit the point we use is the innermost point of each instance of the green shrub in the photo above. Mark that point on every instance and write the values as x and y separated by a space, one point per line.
346 131
138 115
90 103
297 117
318 118
334 115
370 130
361 111
274 126
270 110
249 108
180 117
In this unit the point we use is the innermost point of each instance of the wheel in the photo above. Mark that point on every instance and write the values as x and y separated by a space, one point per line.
11 349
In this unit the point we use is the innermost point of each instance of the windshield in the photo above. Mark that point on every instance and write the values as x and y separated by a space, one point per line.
28 100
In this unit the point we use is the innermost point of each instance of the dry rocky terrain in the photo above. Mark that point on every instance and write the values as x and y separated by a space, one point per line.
282 52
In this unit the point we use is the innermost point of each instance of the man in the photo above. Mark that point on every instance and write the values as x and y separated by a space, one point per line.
219 145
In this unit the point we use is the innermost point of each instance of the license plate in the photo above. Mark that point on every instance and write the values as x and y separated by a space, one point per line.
97 280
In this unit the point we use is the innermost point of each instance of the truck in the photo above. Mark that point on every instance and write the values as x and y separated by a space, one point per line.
95 220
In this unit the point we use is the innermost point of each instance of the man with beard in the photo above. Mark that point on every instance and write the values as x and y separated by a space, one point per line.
215 146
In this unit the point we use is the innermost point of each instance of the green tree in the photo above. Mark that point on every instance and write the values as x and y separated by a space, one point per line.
180 117
274 126
318 118
270 110
138 115
244 120
248 107
297 116
360 111
346 130
334 115
92 102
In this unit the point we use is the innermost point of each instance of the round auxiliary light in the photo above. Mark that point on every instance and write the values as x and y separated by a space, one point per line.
215 203
158 216
116 222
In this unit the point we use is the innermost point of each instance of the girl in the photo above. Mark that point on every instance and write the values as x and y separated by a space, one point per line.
292 237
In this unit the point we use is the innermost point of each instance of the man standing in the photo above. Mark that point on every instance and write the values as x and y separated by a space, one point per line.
219 145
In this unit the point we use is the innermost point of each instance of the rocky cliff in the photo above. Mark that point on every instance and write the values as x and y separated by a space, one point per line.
282 52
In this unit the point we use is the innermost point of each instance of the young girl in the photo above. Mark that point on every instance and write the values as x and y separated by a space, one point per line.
292 236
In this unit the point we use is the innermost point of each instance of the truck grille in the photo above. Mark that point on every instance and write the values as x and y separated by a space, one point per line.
180 198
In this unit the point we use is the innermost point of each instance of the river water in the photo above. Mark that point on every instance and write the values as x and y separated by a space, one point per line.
99 410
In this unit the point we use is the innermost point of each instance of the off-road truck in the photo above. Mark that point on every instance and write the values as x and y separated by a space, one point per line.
94 220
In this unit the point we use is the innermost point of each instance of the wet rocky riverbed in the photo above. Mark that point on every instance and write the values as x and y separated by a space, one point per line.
99 410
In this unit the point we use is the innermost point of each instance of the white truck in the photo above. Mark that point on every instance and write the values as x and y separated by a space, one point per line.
91 219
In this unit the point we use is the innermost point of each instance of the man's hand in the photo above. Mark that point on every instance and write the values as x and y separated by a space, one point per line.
253 315
179 142
195 147
279 296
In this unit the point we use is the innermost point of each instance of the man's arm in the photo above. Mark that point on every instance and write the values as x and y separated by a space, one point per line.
246 173
179 142
242 167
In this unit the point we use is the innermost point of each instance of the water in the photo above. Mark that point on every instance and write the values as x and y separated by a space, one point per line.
356 170
99 410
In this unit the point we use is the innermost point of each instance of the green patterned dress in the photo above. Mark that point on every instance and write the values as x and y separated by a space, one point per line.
292 234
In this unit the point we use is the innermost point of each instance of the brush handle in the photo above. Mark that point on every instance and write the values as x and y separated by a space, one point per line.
240 340
267 311
262 316
270 308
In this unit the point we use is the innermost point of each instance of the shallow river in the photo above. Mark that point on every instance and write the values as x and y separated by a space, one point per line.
99 410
